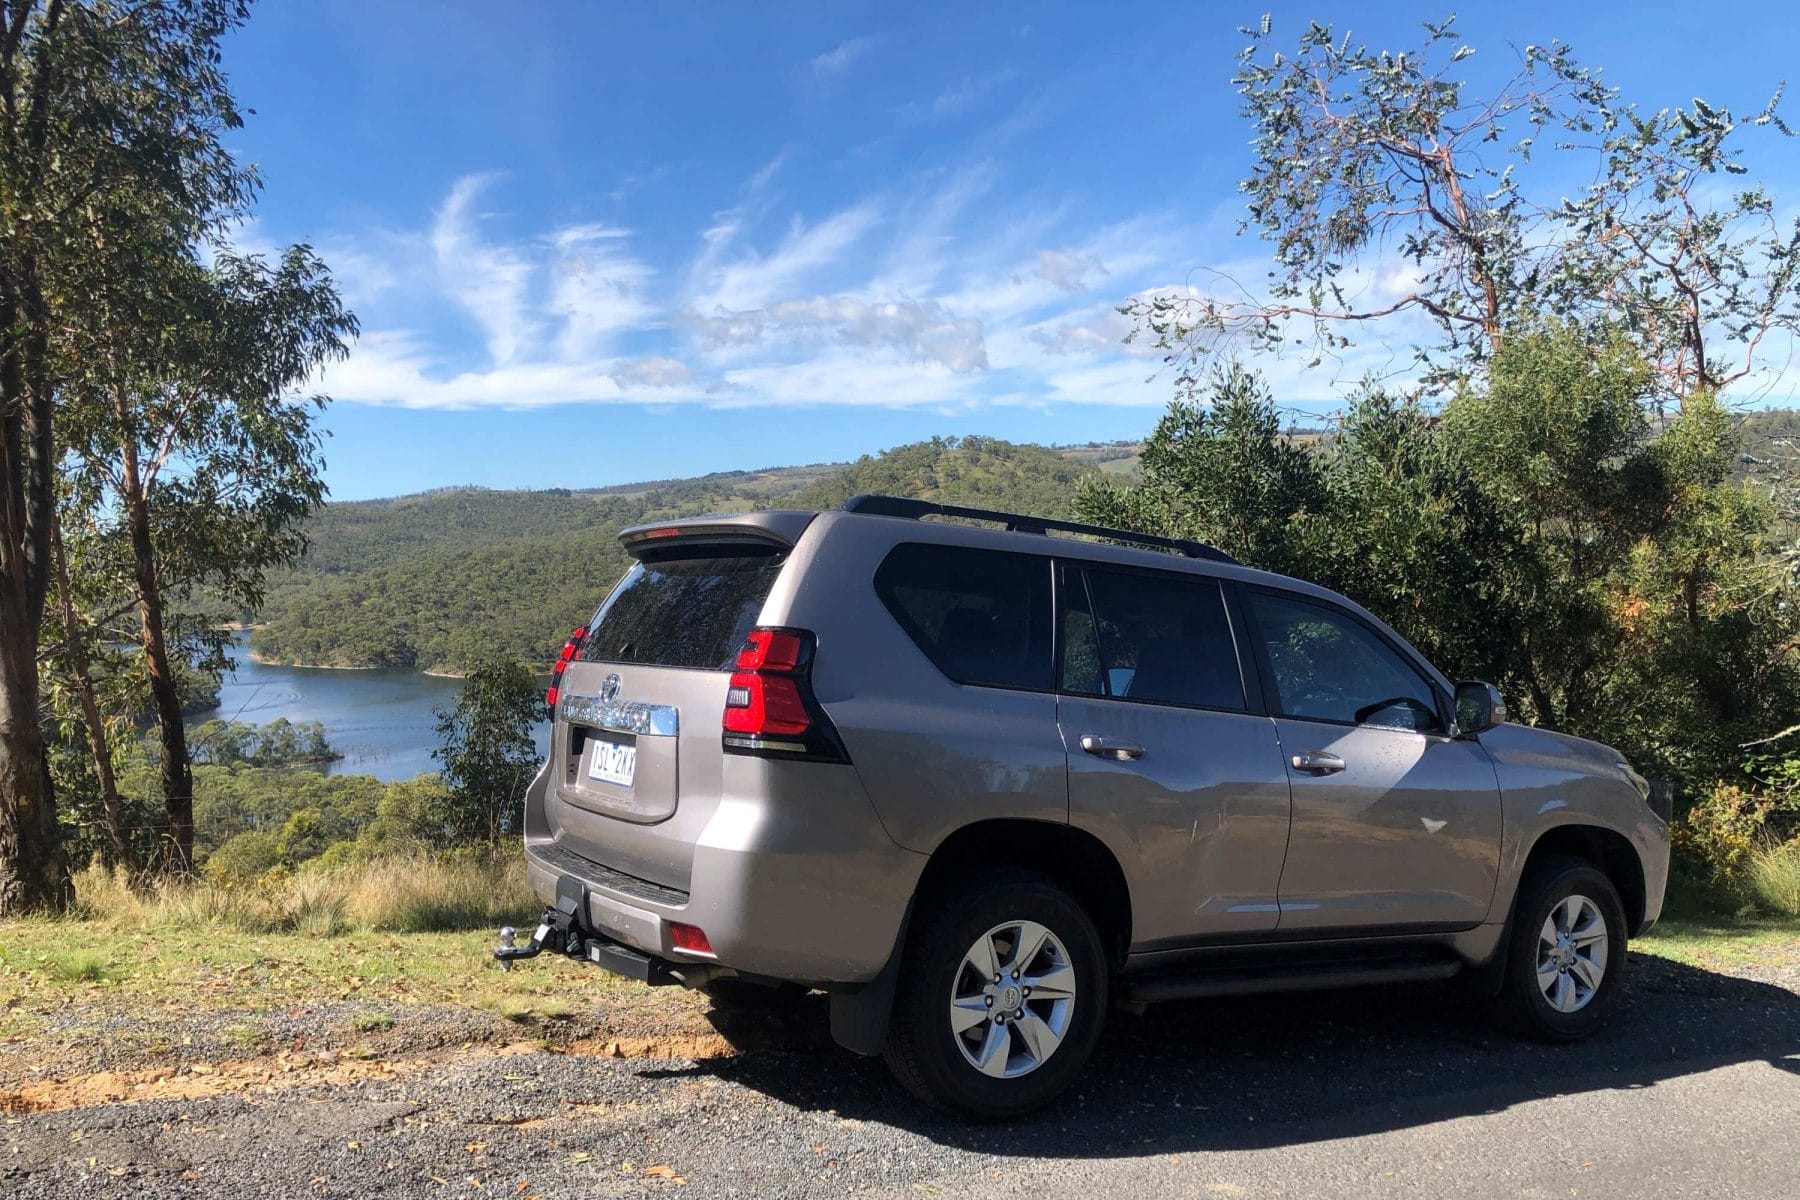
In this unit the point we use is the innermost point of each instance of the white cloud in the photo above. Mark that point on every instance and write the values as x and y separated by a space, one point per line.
925 296
597 288
487 281
922 332
841 57
753 280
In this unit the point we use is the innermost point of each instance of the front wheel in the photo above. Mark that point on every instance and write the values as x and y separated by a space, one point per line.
1566 963
1001 996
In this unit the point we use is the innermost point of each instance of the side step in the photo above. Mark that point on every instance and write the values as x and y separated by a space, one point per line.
1236 977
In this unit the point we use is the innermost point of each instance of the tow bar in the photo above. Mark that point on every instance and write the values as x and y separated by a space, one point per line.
557 931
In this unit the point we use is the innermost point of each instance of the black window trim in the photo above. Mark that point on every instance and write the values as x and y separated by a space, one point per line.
1408 656
1249 676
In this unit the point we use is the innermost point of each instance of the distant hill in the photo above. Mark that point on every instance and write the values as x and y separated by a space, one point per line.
439 579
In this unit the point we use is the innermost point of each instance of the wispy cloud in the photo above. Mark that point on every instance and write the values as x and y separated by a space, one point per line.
841 57
957 99
927 295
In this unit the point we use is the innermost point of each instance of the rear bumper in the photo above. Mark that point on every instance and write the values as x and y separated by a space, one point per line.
812 892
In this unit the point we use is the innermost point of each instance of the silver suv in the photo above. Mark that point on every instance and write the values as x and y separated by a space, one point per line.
978 784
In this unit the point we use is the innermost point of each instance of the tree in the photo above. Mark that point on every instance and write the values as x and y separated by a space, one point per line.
1542 533
1360 153
193 443
487 751
1218 469
110 120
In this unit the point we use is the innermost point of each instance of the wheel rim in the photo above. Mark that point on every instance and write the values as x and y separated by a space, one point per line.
1012 999
1571 958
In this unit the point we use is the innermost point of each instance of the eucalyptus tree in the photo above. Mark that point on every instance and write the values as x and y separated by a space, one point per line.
487 752
197 444
111 164
1394 191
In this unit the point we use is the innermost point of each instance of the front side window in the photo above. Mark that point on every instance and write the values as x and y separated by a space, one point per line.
1159 639
981 616
1328 666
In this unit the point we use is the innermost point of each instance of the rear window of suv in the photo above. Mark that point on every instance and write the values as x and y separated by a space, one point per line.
981 616
689 607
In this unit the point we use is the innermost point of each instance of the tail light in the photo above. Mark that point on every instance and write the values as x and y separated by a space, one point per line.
570 649
769 705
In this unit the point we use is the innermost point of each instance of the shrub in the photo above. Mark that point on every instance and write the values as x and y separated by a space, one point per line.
1774 878
1718 833
244 859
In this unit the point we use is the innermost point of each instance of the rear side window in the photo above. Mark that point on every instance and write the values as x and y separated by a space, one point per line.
1158 639
687 608
981 616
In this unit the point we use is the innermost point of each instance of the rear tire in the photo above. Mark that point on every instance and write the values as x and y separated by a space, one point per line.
992 1048
1565 968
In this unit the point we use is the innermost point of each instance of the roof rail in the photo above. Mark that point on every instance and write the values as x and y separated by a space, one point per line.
877 505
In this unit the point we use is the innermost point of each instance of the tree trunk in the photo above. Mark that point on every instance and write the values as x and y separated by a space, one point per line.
90 711
34 875
177 772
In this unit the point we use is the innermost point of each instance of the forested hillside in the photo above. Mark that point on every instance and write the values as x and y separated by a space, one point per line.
441 579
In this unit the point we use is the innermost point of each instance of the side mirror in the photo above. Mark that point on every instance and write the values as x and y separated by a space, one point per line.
1478 707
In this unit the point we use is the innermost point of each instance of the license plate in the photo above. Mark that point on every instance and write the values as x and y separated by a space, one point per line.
613 762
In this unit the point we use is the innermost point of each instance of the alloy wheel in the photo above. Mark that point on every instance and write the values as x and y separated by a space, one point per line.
1012 999
1571 957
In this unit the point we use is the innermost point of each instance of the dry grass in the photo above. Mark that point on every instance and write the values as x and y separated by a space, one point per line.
1774 878
412 894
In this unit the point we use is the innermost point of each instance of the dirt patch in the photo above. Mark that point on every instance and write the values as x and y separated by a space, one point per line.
200 1080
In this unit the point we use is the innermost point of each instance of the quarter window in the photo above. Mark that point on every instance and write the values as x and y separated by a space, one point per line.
981 616
1328 666
1160 639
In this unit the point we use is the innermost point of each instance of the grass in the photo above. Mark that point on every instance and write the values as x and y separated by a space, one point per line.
1774 878
48 963
1700 929
408 931
406 894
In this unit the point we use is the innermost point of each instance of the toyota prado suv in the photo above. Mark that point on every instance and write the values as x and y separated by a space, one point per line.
980 783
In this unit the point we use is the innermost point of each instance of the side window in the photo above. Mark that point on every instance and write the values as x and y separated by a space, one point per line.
981 616
1163 639
1328 666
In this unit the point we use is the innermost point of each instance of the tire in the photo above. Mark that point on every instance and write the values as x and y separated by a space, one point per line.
1031 1059
1551 992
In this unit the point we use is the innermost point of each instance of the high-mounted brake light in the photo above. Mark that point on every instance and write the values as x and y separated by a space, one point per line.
570 649
769 705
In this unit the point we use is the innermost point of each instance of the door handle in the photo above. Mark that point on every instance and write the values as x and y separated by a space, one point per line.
1105 747
1318 762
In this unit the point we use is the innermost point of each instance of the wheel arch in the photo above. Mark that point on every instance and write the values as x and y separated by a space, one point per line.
1074 858
1608 850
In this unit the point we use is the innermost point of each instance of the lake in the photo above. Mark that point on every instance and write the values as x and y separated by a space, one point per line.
380 720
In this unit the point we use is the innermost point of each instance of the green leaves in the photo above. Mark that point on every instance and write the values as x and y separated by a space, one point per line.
1363 154
486 751
1541 532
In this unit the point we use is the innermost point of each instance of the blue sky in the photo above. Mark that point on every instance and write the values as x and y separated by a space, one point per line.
601 242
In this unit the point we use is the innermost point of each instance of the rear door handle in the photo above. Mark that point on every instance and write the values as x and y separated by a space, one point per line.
1318 762
1105 747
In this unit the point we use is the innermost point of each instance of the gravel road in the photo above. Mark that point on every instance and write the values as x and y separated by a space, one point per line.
1694 1090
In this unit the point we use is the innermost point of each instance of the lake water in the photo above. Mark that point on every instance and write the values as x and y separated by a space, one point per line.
380 721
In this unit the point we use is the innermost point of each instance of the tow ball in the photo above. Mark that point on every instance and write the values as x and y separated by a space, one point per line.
555 931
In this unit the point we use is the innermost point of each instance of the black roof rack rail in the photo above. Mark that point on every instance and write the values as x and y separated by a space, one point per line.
878 505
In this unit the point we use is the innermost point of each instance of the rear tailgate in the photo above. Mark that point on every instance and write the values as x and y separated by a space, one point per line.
636 758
